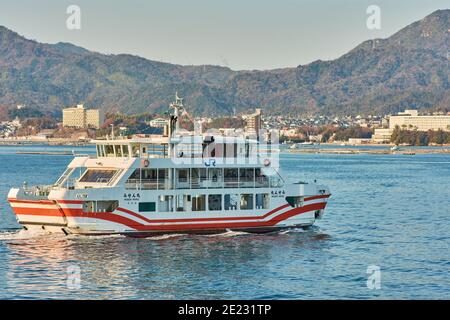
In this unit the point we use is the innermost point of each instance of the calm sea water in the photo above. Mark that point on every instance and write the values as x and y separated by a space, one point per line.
390 211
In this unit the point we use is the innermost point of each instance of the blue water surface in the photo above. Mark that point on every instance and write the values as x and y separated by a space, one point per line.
388 211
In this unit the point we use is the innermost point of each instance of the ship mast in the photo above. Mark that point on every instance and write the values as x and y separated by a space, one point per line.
178 107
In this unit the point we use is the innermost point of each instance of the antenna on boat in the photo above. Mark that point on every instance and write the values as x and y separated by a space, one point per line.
178 108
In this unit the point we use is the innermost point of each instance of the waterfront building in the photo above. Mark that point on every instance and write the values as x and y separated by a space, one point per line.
382 135
411 120
80 117
253 123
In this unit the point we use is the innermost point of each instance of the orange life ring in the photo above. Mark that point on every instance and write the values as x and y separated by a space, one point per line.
146 163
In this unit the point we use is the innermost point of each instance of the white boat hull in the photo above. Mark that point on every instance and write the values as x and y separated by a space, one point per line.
67 216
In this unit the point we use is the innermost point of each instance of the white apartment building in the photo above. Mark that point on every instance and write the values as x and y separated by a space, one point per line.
410 120
79 117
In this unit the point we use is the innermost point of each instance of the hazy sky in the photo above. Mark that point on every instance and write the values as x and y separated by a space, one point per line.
241 34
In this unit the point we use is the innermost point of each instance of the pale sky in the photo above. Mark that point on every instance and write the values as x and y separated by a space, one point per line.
240 34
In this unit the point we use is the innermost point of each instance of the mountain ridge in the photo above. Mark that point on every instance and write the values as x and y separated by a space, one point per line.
406 70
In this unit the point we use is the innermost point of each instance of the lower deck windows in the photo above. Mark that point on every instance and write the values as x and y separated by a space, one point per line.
165 204
247 201
231 201
262 201
100 206
198 203
215 202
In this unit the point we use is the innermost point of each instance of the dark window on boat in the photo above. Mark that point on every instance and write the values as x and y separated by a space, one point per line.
215 202
231 178
147 207
262 200
109 150
198 202
231 201
99 176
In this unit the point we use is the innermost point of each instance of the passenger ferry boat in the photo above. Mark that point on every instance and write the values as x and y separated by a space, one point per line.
170 183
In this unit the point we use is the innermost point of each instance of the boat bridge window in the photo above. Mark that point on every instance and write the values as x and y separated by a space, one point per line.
97 176
112 150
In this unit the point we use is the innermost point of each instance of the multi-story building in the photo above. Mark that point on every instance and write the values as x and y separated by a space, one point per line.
382 135
411 120
253 122
79 117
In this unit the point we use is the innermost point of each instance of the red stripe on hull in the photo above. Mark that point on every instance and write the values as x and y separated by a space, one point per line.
38 212
202 219
192 226
31 201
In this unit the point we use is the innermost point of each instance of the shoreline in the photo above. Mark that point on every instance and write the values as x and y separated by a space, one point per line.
406 151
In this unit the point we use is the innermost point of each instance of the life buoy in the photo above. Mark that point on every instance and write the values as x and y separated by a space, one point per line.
145 163
267 162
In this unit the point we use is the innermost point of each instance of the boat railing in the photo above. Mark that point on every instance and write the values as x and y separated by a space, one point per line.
41 191
203 183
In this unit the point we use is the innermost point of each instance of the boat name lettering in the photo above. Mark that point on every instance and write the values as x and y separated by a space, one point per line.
81 195
277 193
131 196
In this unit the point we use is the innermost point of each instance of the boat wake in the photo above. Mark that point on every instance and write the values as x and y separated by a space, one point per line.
228 234
165 236
22 234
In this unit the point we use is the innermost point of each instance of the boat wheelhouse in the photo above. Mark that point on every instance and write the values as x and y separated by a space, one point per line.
144 185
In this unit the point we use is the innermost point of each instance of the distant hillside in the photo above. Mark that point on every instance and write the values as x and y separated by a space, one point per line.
408 70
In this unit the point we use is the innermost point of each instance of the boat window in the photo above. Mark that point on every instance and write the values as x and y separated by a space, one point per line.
246 201
231 201
262 200
100 151
182 202
118 150
125 150
135 151
198 202
149 178
198 178
246 177
109 150
182 178
97 176
163 179
100 206
215 202
147 207
231 178
165 204
261 180
215 177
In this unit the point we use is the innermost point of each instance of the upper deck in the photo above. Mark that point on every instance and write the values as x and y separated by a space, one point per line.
179 147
